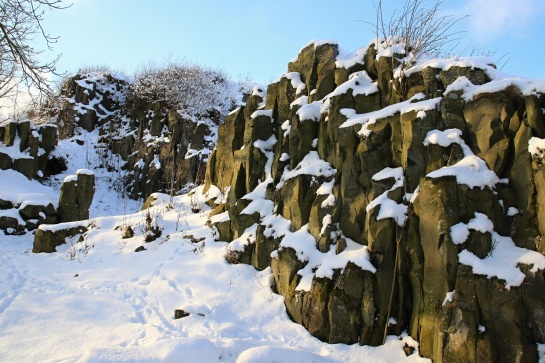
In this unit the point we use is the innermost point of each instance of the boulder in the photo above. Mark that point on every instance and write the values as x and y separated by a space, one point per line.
68 204
5 161
85 192
47 240
25 166
48 135
31 211
10 132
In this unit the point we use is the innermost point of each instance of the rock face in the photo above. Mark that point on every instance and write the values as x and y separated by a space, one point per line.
386 205
169 151
25 148
161 149
47 238
76 196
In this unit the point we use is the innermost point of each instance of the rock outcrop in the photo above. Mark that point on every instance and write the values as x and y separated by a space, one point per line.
76 196
25 154
162 148
387 200
25 148
49 237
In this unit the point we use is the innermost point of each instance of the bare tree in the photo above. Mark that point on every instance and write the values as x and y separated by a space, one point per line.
419 28
20 29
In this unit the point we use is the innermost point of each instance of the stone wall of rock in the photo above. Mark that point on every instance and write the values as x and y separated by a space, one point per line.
430 174
26 148
76 196
166 152
89 101
48 238
16 218
161 149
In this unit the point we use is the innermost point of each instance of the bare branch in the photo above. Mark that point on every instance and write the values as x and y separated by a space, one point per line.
20 63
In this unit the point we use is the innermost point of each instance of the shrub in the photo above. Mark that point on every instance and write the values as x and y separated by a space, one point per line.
191 89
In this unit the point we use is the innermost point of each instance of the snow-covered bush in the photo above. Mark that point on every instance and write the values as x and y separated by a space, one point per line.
416 31
192 89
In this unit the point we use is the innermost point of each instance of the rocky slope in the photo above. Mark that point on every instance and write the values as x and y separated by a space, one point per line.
387 199
163 148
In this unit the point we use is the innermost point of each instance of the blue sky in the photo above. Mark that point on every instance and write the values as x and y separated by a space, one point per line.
259 38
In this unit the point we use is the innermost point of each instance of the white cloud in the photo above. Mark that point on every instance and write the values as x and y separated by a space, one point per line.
490 19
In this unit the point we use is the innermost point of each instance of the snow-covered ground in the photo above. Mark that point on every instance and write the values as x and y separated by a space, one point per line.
100 301
108 199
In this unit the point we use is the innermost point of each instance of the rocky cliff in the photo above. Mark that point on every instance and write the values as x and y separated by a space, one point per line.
162 147
387 199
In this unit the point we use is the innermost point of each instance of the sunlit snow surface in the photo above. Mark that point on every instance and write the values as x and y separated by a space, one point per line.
112 304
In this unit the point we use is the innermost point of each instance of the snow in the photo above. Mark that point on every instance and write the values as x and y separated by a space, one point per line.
261 206
286 127
260 91
327 189
527 87
536 147
108 199
319 264
268 354
503 260
266 113
416 103
478 62
284 157
70 178
110 304
326 222
85 172
265 145
541 350
14 151
449 297
64 226
310 112
310 165
16 188
460 232
301 101
446 138
245 239
351 59
359 82
471 170
388 207
512 211
296 82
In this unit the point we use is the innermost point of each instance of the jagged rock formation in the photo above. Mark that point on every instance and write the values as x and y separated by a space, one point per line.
48 237
168 150
162 148
391 199
26 148
76 196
